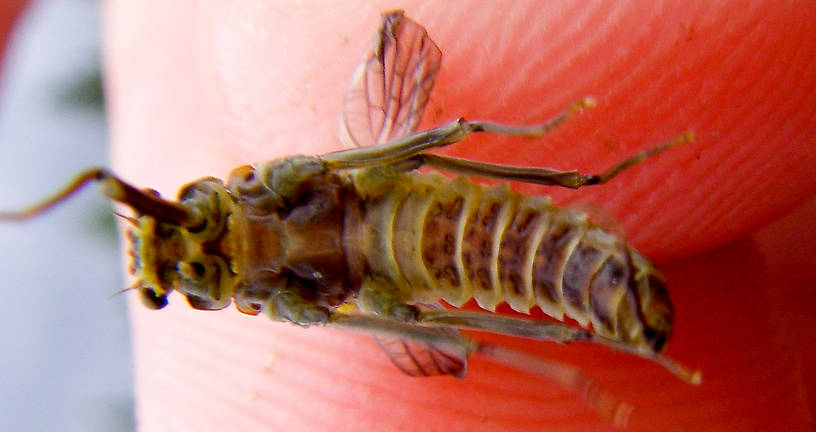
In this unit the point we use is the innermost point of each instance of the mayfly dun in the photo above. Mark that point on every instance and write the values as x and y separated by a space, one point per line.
360 239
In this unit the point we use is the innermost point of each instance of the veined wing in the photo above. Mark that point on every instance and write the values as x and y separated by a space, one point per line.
420 358
391 86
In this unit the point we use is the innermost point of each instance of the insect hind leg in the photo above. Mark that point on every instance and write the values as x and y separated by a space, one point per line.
407 147
448 344
536 130
543 176
553 331
567 376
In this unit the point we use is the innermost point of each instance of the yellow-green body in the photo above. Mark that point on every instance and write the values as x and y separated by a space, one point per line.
295 240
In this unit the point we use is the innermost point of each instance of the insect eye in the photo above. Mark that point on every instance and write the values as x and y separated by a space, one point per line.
152 300
203 303
198 269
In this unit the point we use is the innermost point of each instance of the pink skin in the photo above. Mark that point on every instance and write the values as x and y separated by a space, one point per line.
200 88
9 11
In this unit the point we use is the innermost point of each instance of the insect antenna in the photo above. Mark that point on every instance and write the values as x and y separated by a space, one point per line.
69 190
124 290
143 202
132 220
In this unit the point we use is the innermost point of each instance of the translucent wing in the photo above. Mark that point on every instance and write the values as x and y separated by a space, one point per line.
390 88
418 358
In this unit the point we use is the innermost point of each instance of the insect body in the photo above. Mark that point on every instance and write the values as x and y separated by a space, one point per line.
297 238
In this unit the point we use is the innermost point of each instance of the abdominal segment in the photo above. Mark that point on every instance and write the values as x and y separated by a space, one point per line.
452 239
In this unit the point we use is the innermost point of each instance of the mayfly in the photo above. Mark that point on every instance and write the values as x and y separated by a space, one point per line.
304 238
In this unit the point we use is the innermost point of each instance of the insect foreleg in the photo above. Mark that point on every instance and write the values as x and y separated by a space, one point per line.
143 202
412 145
570 179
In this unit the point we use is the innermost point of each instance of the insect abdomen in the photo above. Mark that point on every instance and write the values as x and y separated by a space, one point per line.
454 239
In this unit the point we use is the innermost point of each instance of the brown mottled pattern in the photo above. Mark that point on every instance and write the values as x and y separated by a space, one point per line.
607 290
481 243
578 273
517 251
456 240
439 241
512 253
548 266
476 245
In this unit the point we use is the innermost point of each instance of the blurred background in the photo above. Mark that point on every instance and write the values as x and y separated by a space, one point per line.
65 362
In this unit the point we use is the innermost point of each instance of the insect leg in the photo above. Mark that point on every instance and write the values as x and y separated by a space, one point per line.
558 332
567 376
412 145
453 343
392 327
433 336
493 323
143 202
380 297
570 179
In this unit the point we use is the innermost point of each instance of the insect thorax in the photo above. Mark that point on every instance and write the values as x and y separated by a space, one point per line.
272 231
294 211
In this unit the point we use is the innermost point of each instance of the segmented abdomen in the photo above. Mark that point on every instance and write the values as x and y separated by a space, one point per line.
437 237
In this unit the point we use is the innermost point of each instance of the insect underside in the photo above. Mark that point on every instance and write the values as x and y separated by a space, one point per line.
300 239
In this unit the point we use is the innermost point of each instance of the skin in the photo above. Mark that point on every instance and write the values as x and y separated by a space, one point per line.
197 89
9 11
